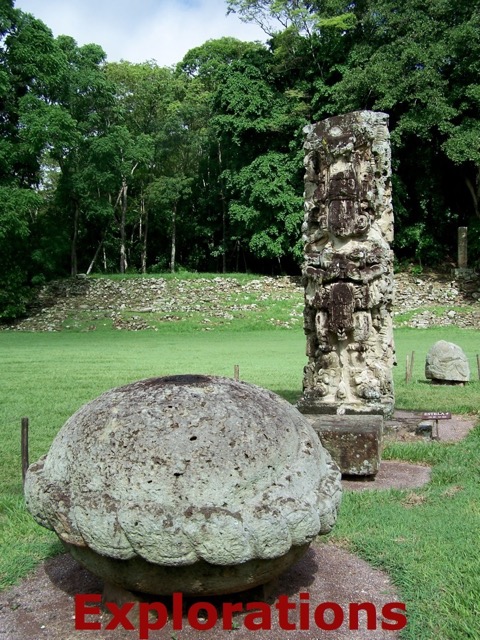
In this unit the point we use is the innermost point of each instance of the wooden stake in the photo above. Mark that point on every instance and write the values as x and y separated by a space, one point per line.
478 365
236 372
407 370
412 360
24 448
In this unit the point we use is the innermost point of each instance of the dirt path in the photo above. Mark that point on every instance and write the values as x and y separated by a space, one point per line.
42 606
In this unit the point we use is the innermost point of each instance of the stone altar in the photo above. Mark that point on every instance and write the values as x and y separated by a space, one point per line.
447 363
190 483
348 267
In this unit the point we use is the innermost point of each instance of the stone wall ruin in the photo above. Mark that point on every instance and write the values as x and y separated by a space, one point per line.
348 268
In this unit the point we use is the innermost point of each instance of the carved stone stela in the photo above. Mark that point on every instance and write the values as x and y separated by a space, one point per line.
348 268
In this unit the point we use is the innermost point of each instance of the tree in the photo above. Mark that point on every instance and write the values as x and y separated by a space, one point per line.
18 206
269 205
165 194
206 69
304 18
145 96
87 96
258 126
31 65
419 63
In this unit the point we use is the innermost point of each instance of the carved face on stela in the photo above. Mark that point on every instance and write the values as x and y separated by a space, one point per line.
347 182
345 217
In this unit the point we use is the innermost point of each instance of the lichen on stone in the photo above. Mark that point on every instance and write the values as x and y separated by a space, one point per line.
184 469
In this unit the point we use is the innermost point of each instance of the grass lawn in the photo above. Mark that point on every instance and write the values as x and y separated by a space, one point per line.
429 543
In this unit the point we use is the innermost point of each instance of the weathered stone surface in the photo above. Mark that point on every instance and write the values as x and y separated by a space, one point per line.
222 480
199 578
446 362
353 441
348 269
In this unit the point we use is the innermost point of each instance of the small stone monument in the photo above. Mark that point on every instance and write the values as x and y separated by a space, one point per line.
462 271
196 484
463 248
446 363
348 271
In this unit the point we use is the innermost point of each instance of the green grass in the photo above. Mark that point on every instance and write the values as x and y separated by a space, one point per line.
419 392
427 539
51 374
429 545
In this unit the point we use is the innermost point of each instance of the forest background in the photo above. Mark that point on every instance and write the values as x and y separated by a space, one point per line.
123 167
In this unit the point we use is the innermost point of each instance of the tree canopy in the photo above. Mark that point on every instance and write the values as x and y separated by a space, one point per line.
121 166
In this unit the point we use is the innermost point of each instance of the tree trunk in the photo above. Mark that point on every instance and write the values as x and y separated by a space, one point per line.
144 215
174 238
475 192
76 219
94 259
123 254
237 254
224 238
224 216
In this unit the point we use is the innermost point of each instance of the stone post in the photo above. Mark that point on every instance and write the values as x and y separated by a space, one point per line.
348 267
462 248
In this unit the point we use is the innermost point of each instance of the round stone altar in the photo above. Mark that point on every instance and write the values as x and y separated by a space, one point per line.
188 483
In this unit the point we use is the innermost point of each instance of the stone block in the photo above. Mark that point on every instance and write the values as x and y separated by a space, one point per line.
463 273
446 362
424 428
353 441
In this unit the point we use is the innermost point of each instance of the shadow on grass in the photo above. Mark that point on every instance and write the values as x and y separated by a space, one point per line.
288 394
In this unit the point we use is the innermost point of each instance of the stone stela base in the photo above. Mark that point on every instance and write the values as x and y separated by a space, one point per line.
353 441
463 273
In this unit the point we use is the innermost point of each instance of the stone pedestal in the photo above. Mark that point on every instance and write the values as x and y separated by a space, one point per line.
354 442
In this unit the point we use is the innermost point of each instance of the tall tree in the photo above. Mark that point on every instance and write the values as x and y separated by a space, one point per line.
145 94
420 63
253 118
258 124
87 96
206 68
30 69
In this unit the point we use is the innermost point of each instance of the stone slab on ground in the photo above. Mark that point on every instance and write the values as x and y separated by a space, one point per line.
391 475
353 441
